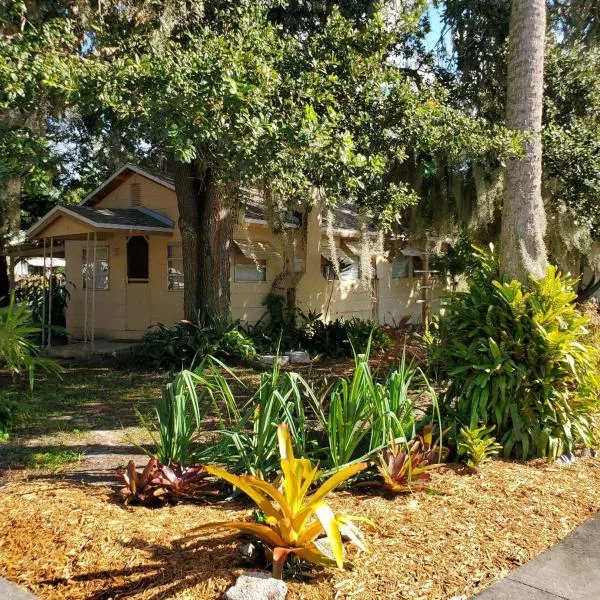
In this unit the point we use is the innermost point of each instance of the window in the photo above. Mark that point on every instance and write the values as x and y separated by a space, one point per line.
101 268
137 259
400 267
249 270
417 266
174 267
348 271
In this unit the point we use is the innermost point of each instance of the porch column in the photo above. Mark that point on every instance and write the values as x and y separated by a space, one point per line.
94 290
44 295
50 293
87 285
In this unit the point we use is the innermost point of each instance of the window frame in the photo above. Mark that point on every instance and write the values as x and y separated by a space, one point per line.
85 262
242 261
170 260
408 268
134 280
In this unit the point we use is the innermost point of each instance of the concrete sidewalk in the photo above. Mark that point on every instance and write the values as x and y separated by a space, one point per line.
9 591
569 570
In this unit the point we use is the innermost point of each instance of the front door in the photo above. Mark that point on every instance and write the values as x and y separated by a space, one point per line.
138 309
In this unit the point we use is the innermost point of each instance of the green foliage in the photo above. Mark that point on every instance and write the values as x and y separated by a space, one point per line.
477 445
366 415
180 411
188 343
34 291
250 438
17 352
282 329
518 358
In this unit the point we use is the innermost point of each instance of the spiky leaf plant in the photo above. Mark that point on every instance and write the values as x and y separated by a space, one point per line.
294 520
477 445
407 468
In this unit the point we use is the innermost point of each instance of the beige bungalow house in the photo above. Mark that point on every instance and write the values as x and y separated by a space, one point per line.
122 249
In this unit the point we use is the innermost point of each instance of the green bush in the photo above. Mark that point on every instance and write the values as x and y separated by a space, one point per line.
307 331
17 352
35 292
519 358
187 343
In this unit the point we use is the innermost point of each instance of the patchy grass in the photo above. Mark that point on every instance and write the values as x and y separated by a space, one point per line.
84 399
55 460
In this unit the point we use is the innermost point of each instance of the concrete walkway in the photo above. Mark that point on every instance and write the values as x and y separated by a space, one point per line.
570 571
9 591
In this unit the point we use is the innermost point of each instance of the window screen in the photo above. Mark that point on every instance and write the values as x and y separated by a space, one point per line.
101 268
174 267
250 270
400 267
137 259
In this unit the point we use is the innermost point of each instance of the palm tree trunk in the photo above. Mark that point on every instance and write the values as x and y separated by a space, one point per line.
522 246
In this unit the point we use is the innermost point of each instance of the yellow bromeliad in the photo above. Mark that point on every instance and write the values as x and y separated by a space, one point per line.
294 520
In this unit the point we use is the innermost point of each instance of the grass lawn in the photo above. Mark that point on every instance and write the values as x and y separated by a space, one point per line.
64 538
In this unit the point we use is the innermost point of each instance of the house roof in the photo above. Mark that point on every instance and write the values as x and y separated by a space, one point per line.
346 219
107 219
118 177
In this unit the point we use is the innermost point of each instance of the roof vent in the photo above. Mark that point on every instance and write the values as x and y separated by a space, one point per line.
135 195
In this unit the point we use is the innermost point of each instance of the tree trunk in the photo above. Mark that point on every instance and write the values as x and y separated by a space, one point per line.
206 226
522 247
10 222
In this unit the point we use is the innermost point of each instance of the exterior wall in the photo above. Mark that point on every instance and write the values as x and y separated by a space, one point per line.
397 297
145 303
247 297
149 303
154 302
394 299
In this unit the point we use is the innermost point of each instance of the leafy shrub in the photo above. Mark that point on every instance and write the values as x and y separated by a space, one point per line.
187 343
366 415
294 519
17 352
283 328
477 445
518 358
249 440
35 292
180 411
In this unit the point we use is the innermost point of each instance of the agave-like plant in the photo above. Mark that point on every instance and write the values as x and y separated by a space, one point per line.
294 520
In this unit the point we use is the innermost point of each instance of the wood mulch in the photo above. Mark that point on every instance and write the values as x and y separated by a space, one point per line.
68 541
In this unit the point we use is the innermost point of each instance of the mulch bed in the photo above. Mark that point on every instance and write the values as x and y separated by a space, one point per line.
63 540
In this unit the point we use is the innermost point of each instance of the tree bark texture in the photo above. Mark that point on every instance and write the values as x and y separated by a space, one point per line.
10 222
206 226
522 246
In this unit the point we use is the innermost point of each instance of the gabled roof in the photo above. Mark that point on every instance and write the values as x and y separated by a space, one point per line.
117 178
107 219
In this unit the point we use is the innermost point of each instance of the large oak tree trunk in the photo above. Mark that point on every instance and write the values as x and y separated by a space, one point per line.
206 225
522 247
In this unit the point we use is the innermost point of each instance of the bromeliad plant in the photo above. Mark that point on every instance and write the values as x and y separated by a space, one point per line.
477 445
294 520
407 468
158 483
